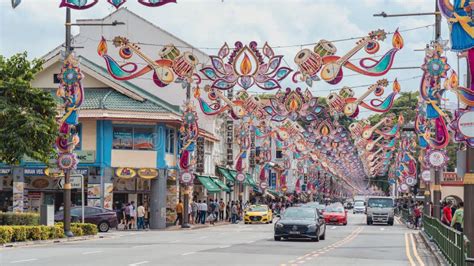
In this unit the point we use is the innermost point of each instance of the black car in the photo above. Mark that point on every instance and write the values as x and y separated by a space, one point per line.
298 222
103 218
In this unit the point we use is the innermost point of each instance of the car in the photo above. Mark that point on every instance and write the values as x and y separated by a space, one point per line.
103 218
359 207
320 207
258 214
299 222
335 214
380 210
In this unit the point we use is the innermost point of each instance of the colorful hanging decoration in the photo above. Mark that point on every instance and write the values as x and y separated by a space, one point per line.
460 19
15 3
85 4
72 93
331 70
436 159
246 67
309 63
78 4
465 95
117 3
463 125
189 132
173 66
155 3
293 105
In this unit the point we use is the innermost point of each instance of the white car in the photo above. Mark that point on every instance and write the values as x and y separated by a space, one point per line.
359 207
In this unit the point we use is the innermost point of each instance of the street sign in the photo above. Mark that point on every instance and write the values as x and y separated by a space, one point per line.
76 181
263 185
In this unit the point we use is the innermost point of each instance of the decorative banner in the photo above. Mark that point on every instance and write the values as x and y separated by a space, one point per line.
331 71
426 176
189 134
155 3
164 70
200 155
85 4
186 178
72 93
15 3
246 67
463 125
436 159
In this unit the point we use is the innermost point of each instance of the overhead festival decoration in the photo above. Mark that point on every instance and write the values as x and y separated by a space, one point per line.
293 105
245 66
189 132
173 65
72 93
85 4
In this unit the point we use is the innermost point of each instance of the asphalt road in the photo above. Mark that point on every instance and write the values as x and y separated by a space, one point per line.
354 244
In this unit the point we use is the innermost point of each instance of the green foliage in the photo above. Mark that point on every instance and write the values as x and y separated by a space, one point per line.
6 234
405 104
20 233
11 218
27 115
89 229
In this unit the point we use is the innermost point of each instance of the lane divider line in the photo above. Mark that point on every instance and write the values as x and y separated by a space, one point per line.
139 263
415 251
407 251
20 261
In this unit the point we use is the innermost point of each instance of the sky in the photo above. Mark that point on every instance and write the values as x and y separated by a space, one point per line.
37 26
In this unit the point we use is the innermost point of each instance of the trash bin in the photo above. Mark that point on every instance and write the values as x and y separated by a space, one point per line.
47 215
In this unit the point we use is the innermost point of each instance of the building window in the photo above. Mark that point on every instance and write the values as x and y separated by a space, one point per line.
134 138
170 140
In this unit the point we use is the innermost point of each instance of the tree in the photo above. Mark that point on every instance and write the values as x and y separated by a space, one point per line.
405 104
27 115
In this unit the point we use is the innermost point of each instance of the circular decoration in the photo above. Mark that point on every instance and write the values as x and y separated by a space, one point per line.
70 76
240 177
404 187
426 175
466 124
263 185
67 161
436 158
186 177
125 172
411 181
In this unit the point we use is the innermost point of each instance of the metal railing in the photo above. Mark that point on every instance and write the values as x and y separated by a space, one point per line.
453 244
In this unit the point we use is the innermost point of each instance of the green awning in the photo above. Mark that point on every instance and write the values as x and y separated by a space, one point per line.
226 174
221 184
250 181
233 173
210 185
274 193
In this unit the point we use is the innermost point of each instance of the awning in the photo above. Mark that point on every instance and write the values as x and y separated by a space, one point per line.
226 174
210 185
274 193
233 173
221 184
250 181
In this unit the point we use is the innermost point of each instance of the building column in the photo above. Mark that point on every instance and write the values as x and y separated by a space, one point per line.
158 185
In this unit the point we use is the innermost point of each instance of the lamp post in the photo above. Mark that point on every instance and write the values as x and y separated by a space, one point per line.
186 187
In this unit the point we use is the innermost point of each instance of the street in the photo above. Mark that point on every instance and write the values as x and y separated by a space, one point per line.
354 244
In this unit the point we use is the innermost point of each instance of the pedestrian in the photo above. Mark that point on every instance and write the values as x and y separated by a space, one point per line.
234 212
128 219
212 210
227 211
179 213
133 215
199 206
417 215
140 217
221 209
458 218
447 214
239 209
204 212
194 211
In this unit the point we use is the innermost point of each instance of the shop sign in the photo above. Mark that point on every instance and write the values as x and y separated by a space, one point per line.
76 181
82 155
5 171
147 173
125 172
240 177
52 171
186 177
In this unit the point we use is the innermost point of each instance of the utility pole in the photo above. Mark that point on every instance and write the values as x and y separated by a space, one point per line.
185 222
437 173
469 186
67 173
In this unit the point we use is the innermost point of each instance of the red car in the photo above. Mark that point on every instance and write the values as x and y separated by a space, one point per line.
335 215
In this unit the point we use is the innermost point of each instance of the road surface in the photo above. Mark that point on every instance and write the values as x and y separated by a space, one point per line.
354 244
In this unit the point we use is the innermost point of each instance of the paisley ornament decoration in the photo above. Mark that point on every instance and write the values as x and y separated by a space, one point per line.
155 3
78 4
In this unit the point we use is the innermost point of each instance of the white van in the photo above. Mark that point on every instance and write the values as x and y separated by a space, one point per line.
380 210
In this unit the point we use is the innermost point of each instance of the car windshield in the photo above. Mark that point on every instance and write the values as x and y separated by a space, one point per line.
257 209
359 204
300 213
334 209
380 203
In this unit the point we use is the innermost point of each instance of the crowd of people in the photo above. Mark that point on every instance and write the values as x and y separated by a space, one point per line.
131 217
453 215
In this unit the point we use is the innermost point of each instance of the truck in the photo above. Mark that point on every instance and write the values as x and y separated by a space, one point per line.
380 210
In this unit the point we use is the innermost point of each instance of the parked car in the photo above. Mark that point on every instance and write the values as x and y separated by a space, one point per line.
299 222
103 218
359 207
335 214
258 214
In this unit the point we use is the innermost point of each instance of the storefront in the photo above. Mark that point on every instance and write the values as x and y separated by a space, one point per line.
6 189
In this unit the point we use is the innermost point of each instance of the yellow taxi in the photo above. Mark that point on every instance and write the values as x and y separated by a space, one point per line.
258 214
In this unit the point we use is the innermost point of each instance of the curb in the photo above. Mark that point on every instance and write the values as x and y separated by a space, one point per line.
433 249
194 227
49 241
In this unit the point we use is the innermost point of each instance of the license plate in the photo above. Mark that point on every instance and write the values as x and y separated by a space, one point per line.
294 232
333 219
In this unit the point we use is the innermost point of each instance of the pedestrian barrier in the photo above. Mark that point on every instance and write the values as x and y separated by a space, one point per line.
405 215
453 244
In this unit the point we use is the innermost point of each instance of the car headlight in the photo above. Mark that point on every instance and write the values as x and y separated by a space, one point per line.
278 225
312 226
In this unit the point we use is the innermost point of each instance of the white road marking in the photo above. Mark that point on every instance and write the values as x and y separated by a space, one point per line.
381 229
250 242
138 263
176 241
92 252
188 253
332 228
141 246
203 237
20 261
224 246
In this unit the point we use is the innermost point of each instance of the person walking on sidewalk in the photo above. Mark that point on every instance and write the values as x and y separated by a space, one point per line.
204 212
194 212
221 209
458 218
227 211
133 215
212 211
234 212
140 217
179 213
447 214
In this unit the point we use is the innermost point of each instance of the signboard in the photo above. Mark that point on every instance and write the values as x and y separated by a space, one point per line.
187 178
426 175
240 177
147 173
82 155
200 155
36 171
230 141
76 181
273 178
252 161
125 172
466 124
5 171
263 185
